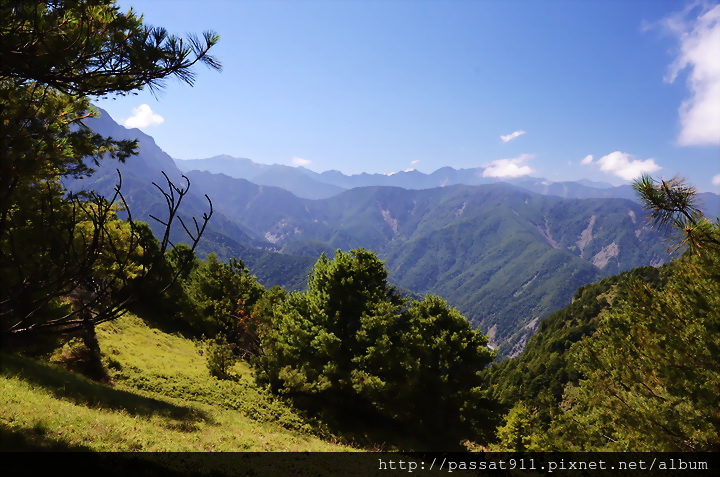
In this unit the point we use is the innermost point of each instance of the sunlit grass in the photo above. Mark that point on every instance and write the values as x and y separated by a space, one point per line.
163 400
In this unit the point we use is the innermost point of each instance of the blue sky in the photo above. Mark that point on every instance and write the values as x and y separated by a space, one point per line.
564 90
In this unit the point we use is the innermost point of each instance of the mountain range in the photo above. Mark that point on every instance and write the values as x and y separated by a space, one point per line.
505 255
226 237
308 184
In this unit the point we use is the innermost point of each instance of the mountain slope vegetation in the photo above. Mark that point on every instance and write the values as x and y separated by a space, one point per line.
631 364
504 256
538 376
460 242
115 335
163 399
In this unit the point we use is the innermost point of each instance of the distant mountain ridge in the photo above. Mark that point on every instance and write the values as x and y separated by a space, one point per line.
329 183
308 184
298 180
225 236
502 254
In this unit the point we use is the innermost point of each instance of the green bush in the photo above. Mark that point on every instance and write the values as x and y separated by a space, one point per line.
220 357
353 349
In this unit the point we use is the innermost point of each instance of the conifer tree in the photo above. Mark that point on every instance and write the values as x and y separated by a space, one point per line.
651 379
65 260
352 347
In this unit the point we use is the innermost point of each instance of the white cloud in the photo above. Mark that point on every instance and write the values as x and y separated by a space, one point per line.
416 161
699 44
513 167
588 160
622 165
143 117
299 161
511 136
716 180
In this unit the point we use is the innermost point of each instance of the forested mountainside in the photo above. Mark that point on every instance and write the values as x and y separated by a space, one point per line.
224 236
539 375
502 255
630 365
117 336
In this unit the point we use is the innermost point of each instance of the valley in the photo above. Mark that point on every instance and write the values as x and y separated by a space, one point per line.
358 233
504 255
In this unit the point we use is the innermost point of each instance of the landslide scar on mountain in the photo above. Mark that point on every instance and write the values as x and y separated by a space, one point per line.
631 213
602 258
586 236
389 219
545 232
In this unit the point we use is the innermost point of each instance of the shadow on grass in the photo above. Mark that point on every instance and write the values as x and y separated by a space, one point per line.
82 391
15 444
358 425
33 440
375 435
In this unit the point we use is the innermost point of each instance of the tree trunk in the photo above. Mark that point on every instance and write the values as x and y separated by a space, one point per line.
92 359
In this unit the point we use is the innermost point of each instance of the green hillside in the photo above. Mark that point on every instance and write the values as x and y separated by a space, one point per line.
631 364
116 335
503 256
163 399
538 376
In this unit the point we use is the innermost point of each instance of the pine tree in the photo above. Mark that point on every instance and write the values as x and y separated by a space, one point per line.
65 260
353 348
651 380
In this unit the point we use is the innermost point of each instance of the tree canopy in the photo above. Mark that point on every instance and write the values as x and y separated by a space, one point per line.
637 354
651 380
674 203
54 56
91 48
352 345
69 257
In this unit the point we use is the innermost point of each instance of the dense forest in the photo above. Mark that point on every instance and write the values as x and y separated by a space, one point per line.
630 365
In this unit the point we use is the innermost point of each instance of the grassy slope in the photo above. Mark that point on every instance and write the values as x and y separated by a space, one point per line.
163 400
